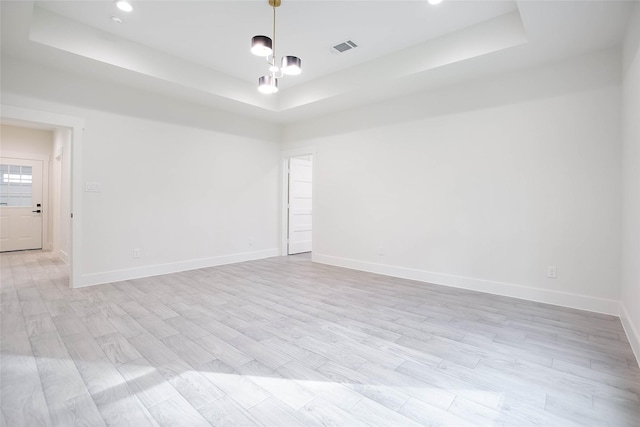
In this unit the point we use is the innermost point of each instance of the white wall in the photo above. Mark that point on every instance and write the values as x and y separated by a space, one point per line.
186 197
29 143
187 185
524 173
23 141
631 184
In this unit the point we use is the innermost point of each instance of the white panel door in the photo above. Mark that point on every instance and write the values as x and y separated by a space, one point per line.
300 175
20 204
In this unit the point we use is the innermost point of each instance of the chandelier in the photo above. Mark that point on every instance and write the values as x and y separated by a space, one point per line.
266 47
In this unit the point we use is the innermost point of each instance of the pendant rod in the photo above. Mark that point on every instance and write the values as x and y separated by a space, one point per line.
273 57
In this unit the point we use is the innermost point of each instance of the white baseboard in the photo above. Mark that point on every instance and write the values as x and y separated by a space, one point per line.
174 267
633 333
64 256
565 299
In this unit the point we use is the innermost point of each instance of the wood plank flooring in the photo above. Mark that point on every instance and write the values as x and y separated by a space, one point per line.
286 342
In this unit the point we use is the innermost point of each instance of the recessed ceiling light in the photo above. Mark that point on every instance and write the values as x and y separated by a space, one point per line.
434 2
124 5
116 20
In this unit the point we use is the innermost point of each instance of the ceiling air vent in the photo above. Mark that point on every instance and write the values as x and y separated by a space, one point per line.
344 46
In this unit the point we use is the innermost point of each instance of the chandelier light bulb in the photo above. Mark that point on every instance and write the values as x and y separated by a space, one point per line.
291 65
268 84
261 46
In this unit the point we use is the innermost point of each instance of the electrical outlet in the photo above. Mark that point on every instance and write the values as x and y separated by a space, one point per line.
250 241
381 250
136 253
552 273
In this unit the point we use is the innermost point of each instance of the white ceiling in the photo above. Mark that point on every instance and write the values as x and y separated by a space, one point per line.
199 50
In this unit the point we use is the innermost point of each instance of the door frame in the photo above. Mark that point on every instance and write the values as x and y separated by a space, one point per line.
284 190
25 117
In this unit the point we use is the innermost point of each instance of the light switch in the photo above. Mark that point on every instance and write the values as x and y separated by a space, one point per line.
92 186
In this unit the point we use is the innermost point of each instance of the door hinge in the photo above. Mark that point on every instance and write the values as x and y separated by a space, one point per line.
71 214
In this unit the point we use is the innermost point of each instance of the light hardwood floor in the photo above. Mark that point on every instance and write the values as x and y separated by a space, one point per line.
286 342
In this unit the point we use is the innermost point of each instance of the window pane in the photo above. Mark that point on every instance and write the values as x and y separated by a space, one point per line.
16 185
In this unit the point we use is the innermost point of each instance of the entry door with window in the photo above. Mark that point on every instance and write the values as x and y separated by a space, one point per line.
300 175
20 204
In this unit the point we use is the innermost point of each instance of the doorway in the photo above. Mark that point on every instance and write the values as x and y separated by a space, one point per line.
60 169
299 207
